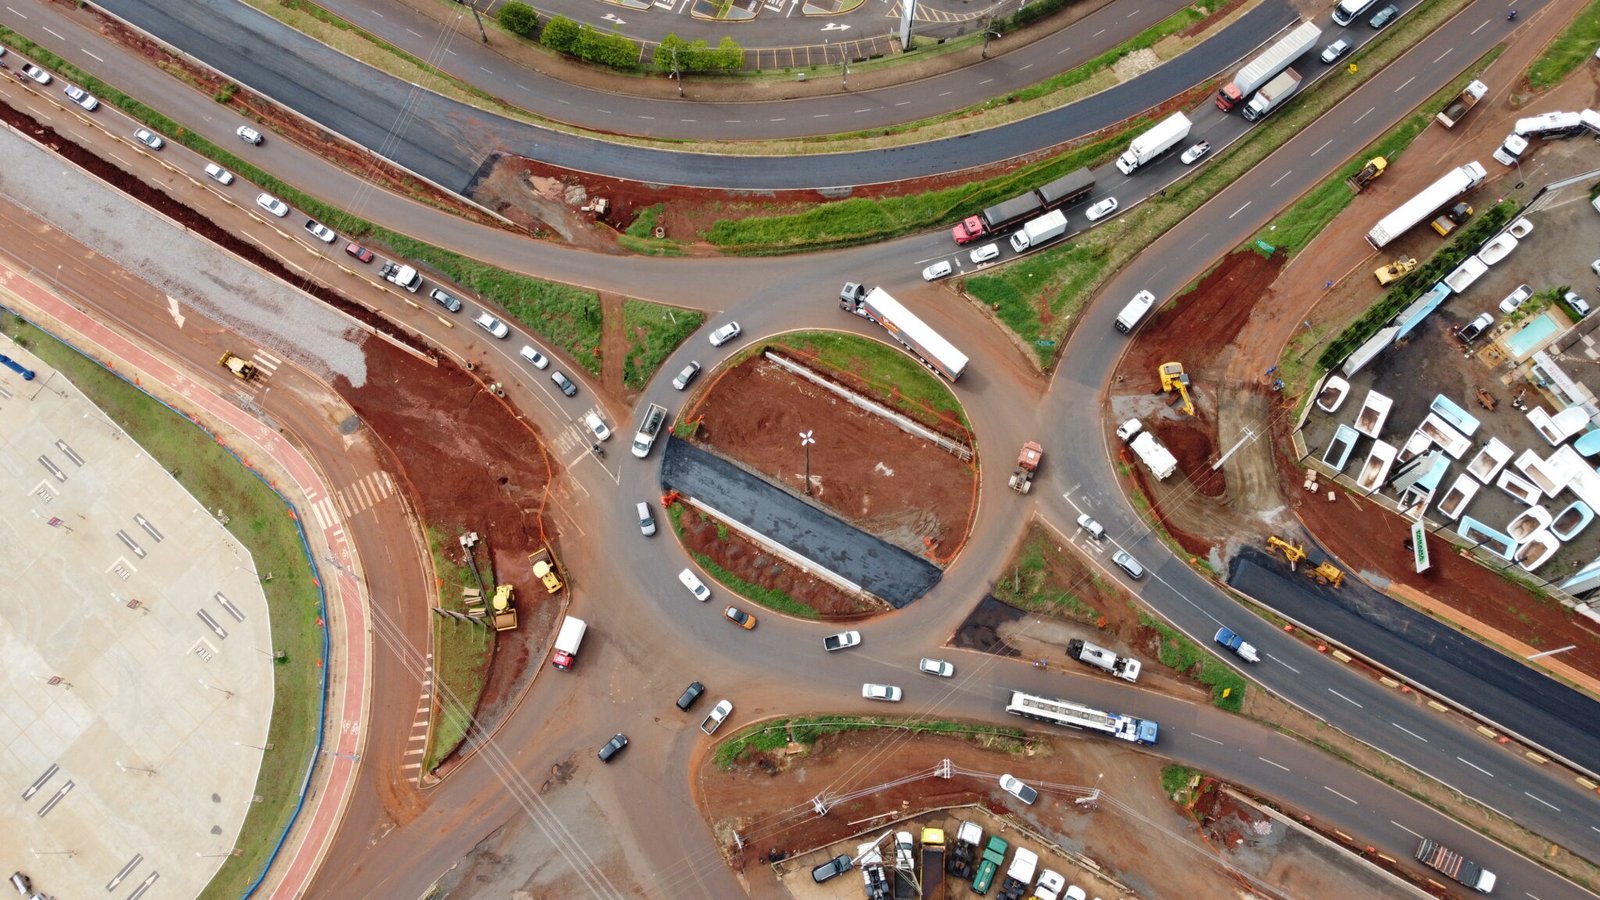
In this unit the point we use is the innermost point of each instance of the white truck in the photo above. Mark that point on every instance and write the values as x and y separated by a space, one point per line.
404 276
1019 875
1272 95
844 640
1160 461
717 716
1134 311
1545 126
1415 211
1049 226
654 417
1103 659
1273 60
1440 858
1146 147
1464 101
568 639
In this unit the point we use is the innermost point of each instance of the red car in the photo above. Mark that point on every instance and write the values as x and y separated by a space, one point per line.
358 251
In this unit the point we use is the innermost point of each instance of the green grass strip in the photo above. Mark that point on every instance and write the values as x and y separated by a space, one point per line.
891 377
462 652
262 522
1186 658
1028 586
1571 49
653 332
807 730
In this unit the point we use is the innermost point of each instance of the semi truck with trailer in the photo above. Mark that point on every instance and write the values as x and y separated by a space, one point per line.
998 218
1440 858
1272 60
994 856
1075 715
1157 458
568 640
913 334
1067 190
1047 227
1165 135
654 417
870 861
1019 877
1103 659
1415 211
1464 101
963 859
1272 95
933 864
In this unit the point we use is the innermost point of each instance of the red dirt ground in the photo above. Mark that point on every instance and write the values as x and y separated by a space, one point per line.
701 536
864 469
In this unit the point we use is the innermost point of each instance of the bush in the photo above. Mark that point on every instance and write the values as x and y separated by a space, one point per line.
698 56
566 36
518 18
560 34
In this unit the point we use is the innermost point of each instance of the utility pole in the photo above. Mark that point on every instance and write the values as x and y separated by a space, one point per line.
479 19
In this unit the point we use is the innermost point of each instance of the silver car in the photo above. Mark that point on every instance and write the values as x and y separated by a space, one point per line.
724 334
1127 563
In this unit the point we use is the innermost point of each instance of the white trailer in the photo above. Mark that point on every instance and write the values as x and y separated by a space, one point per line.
1273 60
1160 461
1163 137
1414 211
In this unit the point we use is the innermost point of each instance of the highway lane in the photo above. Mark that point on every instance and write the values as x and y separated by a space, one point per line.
446 142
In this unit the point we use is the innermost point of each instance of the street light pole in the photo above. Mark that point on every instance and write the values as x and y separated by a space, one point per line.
806 440
677 74
479 19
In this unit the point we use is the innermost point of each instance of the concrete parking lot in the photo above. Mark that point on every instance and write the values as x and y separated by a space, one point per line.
137 689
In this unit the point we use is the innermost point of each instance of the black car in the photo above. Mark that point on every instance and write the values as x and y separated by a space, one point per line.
613 747
690 695
837 866
444 299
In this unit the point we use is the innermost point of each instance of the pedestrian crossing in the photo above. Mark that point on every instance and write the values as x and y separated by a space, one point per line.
352 500
265 362
417 741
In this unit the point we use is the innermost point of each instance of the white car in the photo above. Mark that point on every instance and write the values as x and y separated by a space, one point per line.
273 205
1016 788
492 325
1520 296
686 376
984 254
695 585
1193 154
249 135
320 231
145 137
82 97
1093 528
534 357
1332 52
938 270
885 692
1102 209
1127 563
36 73
647 522
724 334
936 667
218 174
596 426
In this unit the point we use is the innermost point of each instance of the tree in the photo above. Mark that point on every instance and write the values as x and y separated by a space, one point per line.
518 18
560 34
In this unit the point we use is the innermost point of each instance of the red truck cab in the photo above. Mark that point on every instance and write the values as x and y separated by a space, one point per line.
970 229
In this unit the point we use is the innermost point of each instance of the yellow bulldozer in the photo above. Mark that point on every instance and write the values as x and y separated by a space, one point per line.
243 369
1174 379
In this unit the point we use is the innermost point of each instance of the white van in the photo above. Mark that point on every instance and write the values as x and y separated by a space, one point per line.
1349 10
1134 311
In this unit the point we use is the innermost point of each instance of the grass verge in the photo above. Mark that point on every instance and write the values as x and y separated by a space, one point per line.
771 598
462 652
265 526
1040 297
1179 781
653 332
1571 49
776 734
883 373
1032 584
1186 658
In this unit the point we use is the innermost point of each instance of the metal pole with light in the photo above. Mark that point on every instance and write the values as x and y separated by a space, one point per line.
677 74
806 440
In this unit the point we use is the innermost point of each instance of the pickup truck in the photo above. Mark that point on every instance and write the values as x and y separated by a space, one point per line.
1237 644
717 716
649 427
841 641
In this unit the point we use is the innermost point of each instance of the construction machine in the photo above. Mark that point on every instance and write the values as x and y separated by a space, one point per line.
1174 379
1369 173
505 614
243 369
1324 573
544 568
1394 271
1327 573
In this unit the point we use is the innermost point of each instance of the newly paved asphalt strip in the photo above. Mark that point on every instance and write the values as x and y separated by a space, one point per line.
447 142
1435 657
879 567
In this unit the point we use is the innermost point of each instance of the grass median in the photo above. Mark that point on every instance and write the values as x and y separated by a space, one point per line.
462 652
263 523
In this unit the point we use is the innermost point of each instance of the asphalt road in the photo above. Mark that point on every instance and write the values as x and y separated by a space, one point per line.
447 142
990 391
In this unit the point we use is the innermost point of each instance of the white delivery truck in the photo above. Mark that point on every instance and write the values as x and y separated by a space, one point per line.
1163 137
568 640
1134 311
1049 226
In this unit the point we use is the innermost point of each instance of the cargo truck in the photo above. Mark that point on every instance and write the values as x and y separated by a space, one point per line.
1160 462
923 342
1146 147
1416 210
998 218
1134 311
1272 95
994 856
1020 876
963 859
568 639
649 427
1067 190
1442 859
1466 100
933 864
1047 227
1103 659
1273 60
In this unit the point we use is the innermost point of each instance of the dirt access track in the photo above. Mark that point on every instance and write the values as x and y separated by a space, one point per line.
864 469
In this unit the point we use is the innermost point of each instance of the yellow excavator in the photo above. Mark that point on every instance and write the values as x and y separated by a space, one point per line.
1173 379
1293 554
